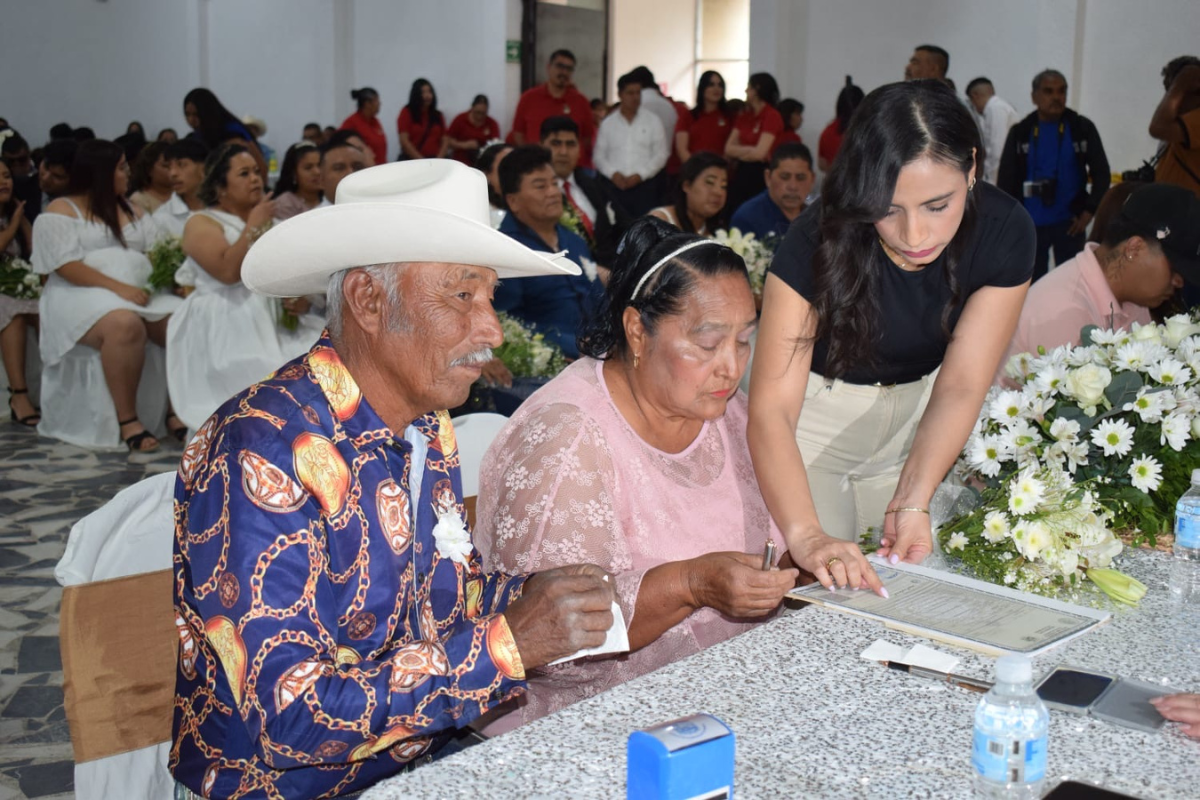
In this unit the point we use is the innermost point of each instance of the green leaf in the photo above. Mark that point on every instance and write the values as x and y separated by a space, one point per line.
1085 333
1123 389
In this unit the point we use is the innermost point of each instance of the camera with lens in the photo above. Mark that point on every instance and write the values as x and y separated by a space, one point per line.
1145 173
1046 188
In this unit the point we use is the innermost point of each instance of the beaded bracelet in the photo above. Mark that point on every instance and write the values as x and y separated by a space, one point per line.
906 508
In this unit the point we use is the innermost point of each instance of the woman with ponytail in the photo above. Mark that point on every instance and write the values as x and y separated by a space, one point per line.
885 313
635 458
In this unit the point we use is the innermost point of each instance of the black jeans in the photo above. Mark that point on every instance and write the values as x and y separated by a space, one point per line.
1065 246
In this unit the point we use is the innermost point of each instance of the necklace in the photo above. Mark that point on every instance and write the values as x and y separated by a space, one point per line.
895 258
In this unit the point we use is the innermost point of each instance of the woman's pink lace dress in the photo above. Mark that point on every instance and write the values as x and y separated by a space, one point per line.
569 481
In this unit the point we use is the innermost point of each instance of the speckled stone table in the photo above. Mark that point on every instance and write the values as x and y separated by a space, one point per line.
812 719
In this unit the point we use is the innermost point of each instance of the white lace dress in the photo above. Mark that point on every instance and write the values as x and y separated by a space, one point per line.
569 481
76 404
224 338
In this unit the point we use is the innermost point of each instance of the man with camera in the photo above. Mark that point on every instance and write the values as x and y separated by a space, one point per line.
1176 122
1048 161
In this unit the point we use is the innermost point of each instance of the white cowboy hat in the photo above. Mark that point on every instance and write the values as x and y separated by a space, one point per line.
433 210
252 122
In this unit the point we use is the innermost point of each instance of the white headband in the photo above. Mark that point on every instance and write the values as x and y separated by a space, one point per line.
637 289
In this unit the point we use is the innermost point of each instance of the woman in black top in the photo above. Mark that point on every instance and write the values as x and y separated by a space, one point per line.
885 314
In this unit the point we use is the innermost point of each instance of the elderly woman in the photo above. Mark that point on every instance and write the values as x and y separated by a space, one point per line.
635 458
700 196
223 338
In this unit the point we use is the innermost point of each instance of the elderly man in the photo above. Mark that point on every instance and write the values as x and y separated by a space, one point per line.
790 180
335 623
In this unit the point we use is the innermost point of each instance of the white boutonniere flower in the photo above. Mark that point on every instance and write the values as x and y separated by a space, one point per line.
451 537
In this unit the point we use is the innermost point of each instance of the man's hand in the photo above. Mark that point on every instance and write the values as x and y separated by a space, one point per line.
620 181
632 181
1079 224
561 611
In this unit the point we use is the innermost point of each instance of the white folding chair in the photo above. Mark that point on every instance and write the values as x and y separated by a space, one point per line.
475 433
119 643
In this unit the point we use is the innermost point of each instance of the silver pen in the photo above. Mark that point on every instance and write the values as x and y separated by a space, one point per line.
768 555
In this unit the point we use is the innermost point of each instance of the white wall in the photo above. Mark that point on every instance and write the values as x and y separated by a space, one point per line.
286 61
660 34
1110 50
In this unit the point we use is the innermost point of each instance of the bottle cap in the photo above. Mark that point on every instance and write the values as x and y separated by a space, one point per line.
1014 669
1196 477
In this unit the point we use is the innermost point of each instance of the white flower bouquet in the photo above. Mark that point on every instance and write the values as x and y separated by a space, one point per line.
526 353
166 257
1104 434
17 279
756 253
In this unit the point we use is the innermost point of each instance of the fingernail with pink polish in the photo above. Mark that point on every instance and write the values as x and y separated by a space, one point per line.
893 559
883 592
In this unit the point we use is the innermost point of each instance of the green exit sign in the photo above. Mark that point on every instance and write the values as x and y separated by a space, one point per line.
512 51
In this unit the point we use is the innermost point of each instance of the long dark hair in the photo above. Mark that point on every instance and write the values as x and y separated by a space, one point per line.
216 171
215 119
415 106
289 181
848 100
8 209
647 241
895 125
705 77
765 87
688 173
92 176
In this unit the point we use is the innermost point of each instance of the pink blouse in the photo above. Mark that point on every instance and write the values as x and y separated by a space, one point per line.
569 481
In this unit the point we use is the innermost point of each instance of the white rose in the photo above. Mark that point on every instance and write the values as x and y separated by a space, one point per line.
1146 333
1087 384
1178 328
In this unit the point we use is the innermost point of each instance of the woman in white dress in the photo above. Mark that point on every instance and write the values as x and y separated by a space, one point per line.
91 243
224 337
17 315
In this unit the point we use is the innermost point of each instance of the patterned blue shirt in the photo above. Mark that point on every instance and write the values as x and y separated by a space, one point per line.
327 638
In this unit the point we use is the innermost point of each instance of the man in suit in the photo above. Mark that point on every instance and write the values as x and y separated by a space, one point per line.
589 208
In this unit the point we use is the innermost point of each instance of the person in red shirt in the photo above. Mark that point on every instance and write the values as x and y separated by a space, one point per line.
756 133
556 97
708 125
792 111
365 122
831 138
471 131
422 127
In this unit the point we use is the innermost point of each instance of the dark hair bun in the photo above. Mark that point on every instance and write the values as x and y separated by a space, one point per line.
355 94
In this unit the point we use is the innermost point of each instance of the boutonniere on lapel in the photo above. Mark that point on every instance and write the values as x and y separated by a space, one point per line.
451 537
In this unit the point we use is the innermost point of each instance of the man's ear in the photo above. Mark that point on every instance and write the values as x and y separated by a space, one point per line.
365 301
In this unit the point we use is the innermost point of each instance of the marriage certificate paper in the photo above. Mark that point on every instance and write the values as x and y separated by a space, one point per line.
959 610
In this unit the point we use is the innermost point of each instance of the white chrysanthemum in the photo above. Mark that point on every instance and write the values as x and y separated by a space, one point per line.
1064 430
1176 430
1145 473
1114 437
1108 336
995 526
1170 372
1018 366
1006 407
957 541
1138 356
1080 356
1148 405
985 454
1025 493
1049 379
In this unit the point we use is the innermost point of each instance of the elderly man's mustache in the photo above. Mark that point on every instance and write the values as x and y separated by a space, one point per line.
475 359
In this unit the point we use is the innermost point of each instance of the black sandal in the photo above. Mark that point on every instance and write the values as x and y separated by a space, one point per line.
134 442
178 433
30 420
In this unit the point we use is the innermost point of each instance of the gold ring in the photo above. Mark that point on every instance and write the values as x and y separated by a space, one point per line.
829 564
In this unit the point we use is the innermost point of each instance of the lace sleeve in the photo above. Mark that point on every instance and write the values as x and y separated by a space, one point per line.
546 500
55 242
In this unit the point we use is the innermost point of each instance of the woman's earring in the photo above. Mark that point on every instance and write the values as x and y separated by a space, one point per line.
971 187
636 360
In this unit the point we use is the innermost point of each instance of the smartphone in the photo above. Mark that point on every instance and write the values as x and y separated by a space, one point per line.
1128 704
1074 790
1073 690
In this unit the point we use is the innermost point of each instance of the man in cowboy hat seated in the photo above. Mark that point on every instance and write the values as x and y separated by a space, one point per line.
335 623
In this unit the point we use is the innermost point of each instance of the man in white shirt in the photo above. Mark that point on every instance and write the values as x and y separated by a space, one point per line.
631 150
658 105
185 165
995 116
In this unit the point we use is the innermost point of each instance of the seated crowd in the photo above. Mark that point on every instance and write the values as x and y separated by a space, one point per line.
312 337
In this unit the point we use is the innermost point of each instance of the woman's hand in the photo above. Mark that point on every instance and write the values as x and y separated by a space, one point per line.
296 305
261 214
835 563
736 584
18 216
1183 708
132 294
907 535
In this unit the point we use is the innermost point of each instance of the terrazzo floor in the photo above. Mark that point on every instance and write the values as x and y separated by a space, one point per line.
45 487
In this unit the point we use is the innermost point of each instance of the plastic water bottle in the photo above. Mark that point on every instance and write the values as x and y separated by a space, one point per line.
1185 568
1011 725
